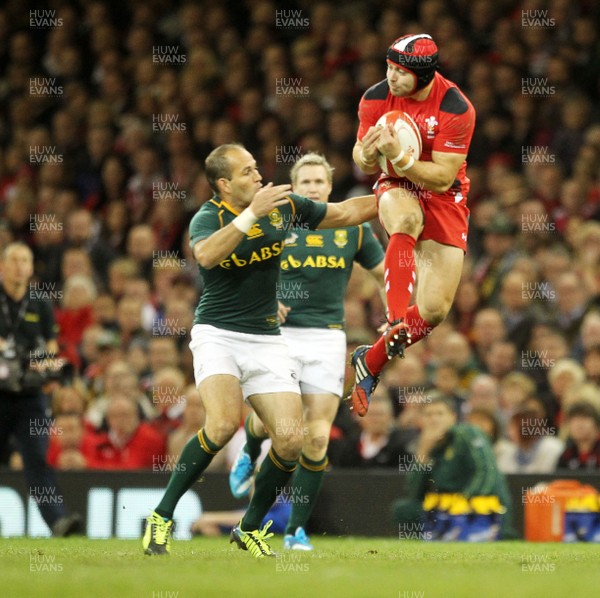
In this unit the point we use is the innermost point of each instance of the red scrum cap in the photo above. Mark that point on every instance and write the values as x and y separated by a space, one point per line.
417 54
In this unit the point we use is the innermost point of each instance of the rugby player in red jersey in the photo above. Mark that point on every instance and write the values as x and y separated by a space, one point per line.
422 205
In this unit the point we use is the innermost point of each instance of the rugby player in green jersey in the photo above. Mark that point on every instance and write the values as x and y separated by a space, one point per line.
237 239
315 270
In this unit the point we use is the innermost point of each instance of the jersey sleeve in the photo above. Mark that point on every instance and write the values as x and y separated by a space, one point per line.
370 252
306 211
204 223
369 111
455 132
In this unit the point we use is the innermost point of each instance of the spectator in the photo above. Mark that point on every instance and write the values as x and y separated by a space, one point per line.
515 389
128 443
591 364
129 320
501 359
466 304
70 399
138 288
565 374
589 335
500 254
75 314
456 352
168 399
119 379
377 443
119 272
531 448
447 384
65 450
516 307
484 393
83 232
141 245
488 328
571 304
582 450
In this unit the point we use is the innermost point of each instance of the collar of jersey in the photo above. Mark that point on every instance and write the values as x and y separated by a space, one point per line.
220 203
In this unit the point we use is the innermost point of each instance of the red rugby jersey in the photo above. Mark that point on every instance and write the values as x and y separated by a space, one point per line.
446 120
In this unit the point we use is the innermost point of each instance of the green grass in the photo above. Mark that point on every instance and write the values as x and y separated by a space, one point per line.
344 567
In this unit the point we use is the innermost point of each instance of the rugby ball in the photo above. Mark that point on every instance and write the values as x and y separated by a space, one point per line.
408 134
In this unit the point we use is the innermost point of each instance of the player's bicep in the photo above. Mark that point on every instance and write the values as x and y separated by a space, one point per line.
197 248
451 163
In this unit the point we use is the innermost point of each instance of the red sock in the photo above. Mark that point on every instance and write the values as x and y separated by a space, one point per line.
376 356
399 274
399 282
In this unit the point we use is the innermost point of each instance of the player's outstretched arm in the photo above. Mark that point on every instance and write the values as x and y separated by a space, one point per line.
351 212
213 250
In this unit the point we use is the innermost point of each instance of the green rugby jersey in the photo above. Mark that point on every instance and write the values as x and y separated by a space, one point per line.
463 462
240 293
316 268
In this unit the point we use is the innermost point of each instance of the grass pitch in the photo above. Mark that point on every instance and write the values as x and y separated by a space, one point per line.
344 567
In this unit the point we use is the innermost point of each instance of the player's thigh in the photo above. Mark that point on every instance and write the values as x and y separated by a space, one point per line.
281 414
321 407
222 398
439 268
400 212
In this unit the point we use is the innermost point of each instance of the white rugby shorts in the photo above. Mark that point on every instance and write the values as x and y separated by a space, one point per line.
261 362
319 356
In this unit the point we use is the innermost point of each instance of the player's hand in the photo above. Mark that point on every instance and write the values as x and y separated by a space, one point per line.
269 197
369 144
388 143
282 312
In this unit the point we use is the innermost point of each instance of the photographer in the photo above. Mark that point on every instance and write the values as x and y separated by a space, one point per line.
27 347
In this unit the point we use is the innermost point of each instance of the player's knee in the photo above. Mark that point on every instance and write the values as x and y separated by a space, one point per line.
315 447
435 310
289 446
319 442
409 224
221 432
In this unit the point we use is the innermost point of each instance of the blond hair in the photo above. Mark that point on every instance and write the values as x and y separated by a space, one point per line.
311 159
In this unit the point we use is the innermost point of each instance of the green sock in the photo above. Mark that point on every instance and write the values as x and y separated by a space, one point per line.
306 483
194 459
253 442
270 481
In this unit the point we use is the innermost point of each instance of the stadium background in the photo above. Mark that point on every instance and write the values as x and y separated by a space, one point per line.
108 110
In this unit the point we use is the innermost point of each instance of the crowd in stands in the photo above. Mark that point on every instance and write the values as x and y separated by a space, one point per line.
108 112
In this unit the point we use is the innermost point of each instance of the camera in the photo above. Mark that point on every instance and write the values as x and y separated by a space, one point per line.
22 373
